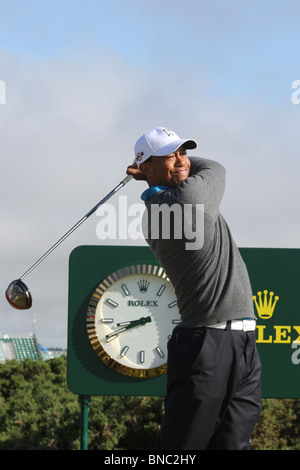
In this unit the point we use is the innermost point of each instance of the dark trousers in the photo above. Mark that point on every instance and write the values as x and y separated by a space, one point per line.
213 398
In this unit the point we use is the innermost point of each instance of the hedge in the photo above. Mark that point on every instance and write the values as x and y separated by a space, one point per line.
39 412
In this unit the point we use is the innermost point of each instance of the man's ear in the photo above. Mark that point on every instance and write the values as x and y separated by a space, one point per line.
145 169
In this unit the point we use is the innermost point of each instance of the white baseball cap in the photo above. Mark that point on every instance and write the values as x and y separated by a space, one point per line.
159 142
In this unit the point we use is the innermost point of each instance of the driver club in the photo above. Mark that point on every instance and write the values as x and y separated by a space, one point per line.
17 293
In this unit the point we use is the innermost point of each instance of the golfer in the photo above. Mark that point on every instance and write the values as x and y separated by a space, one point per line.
213 397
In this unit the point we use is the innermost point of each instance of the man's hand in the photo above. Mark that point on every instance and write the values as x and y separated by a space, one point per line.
135 172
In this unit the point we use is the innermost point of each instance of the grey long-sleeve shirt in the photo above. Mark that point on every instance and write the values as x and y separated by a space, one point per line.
211 283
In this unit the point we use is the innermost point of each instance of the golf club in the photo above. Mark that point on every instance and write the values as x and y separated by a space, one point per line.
17 293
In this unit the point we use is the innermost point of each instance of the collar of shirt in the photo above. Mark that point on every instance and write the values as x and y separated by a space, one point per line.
152 190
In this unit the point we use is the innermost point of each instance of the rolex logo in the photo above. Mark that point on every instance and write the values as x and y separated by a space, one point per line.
143 286
265 304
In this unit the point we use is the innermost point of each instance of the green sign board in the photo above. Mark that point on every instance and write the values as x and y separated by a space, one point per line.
274 276
87 373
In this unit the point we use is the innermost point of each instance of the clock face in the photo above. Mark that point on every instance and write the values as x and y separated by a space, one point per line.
130 319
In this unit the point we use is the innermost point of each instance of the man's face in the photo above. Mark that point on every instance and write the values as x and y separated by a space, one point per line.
167 171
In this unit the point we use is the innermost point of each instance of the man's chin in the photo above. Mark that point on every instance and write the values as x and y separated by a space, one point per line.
179 179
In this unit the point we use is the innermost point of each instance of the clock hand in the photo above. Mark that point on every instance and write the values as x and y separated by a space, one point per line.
131 324
127 326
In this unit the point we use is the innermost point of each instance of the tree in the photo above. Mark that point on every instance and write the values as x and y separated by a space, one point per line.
39 412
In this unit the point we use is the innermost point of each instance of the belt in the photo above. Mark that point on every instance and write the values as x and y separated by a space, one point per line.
241 325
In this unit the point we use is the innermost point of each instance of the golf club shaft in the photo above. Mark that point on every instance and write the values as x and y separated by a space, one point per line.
109 195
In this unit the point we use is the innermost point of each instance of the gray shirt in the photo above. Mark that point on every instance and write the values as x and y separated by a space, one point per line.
211 283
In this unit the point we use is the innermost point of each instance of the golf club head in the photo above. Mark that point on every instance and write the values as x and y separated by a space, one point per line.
18 295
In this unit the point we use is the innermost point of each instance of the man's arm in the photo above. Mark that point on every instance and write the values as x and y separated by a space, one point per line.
207 168
205 184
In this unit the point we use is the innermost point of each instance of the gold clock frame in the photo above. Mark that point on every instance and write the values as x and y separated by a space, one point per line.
146 269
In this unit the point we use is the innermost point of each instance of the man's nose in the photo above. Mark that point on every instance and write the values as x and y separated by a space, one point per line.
179 157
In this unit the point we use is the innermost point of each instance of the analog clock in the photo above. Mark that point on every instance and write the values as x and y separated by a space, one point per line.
130 318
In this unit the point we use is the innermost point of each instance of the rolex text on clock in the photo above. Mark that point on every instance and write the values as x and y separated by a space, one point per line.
130 318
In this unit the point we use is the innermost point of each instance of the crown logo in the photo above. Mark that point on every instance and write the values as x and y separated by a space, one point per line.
143 286
265 306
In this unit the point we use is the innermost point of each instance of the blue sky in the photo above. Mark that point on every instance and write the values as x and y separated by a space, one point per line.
234 44
84 79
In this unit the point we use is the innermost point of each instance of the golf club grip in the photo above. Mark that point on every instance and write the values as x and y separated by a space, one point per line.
127 179
109 195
